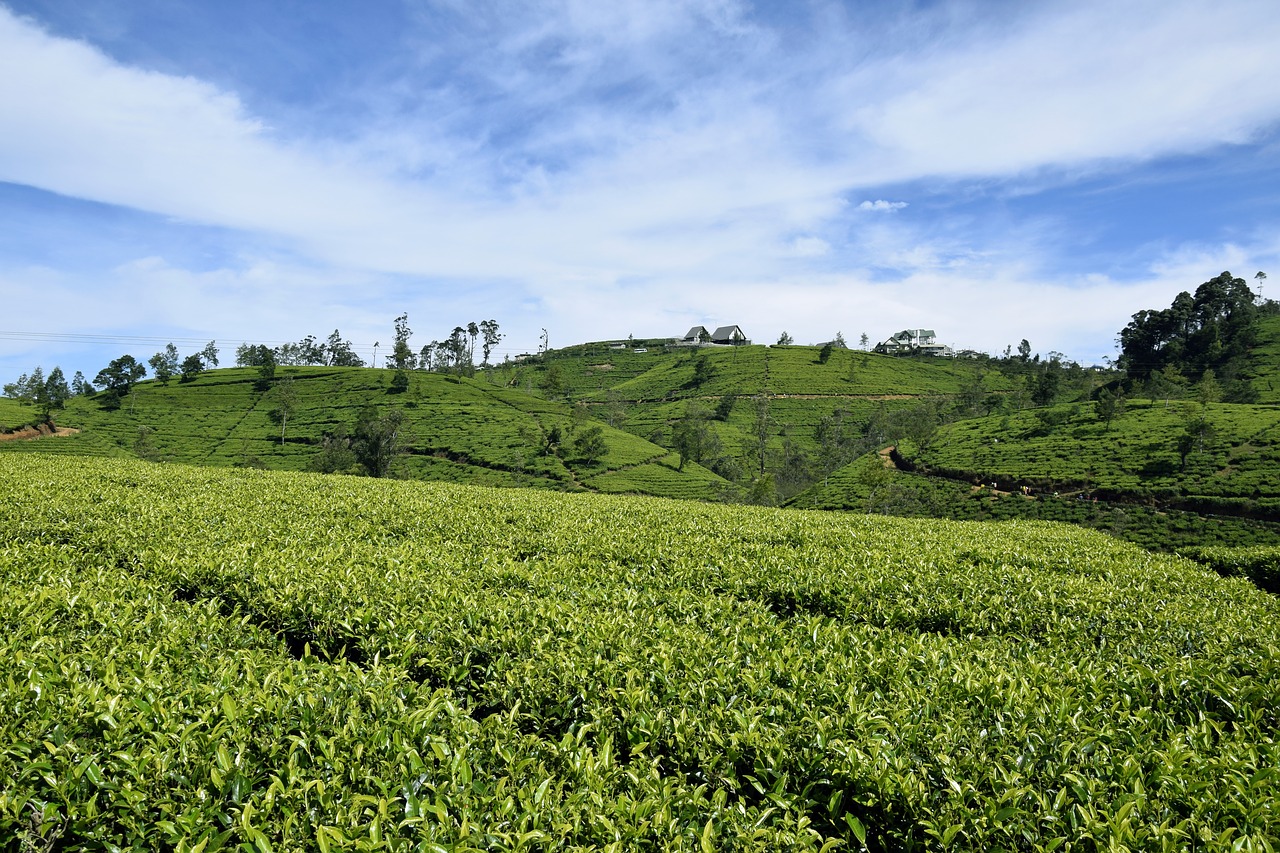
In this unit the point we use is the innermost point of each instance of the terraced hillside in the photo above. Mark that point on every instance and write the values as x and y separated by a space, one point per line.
454 429
1164 475
201 659
1262 364
782 393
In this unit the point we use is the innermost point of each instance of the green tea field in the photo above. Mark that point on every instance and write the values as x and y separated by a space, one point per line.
199 659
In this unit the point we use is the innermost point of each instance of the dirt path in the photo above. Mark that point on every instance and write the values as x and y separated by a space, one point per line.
31 433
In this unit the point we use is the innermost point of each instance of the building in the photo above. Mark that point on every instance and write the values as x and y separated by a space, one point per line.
913 341
729 336
696 335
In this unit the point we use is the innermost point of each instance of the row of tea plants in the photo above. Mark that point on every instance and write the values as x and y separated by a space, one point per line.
203 659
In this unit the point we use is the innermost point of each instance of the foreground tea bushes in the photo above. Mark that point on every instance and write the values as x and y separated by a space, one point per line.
204 659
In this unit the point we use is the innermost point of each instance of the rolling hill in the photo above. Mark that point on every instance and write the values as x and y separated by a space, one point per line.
769 424
455 429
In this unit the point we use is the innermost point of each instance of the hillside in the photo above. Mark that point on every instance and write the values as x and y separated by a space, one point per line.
455 429
1262 363
1128 478
757 401
267 660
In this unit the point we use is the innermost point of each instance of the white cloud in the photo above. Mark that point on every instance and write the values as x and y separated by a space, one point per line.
1068 84
882 205
646 165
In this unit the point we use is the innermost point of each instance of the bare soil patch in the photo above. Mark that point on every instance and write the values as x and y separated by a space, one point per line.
29 433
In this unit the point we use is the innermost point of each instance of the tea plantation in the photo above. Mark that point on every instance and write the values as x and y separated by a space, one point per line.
213 658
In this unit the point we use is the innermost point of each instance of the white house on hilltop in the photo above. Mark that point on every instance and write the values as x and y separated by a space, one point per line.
922 341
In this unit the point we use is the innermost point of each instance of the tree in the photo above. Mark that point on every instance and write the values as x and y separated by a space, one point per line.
399 382
340 353
589 444
1206 331
401 355
839 441
863 340
164 364
80 386
1109 405
248 355
55 393
793 475
552 440
1044 389
1196 431
426 356
143 446
335 455
489 328
192 366
689 436
724 407
839 341
824 354
702 372
120 374
553 382
377 440
785 340
456 347
473 331
210 354
1024 351
25 389
266 364
284 402
876 477
1208 389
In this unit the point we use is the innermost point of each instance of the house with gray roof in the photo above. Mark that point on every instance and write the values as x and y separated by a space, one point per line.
921 341
729 335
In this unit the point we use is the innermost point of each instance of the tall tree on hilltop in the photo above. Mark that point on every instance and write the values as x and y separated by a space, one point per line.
164 364
192 366
489 329
340 353
473 331
120 374
401 355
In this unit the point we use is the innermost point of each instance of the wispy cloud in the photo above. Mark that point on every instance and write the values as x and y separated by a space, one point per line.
882 205
584 160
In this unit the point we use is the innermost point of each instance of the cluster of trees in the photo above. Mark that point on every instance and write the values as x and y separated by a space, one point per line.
333 352
167 363
369 447
47 393
1207 331
455 354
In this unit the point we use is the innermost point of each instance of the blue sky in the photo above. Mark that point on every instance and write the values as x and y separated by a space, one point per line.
257 172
